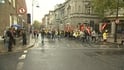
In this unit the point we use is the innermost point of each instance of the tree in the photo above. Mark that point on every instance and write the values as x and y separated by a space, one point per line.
36 24
103 6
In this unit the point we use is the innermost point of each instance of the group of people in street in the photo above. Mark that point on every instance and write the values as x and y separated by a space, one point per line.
88 36
50 34
84 36
10 35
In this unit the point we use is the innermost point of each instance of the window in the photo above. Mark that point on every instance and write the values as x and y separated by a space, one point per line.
10 18
14 3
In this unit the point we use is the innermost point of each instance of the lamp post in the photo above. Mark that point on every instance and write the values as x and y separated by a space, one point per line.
32 16
33 2
116 21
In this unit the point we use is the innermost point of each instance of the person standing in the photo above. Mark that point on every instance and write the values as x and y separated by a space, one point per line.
24 38
9 39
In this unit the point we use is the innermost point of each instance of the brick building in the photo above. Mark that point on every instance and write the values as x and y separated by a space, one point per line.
9 13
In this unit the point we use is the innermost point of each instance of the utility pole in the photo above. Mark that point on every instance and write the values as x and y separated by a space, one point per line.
116 22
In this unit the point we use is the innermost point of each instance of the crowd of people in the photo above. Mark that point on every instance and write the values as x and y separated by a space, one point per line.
50 34
84 36
10 35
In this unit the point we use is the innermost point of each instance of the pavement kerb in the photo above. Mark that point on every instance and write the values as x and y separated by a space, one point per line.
19 50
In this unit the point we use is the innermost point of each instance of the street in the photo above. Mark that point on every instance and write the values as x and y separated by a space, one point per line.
64 54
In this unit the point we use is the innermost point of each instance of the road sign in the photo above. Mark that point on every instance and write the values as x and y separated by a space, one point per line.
22 10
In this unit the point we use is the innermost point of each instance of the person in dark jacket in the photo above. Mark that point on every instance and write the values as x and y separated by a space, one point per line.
42 35
24 38
9 37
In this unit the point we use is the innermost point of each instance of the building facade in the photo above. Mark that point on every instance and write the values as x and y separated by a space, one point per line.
73 13
9 13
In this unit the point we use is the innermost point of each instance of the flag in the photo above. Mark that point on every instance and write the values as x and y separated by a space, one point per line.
103 26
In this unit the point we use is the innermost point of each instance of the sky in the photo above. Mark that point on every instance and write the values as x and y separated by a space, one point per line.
44 7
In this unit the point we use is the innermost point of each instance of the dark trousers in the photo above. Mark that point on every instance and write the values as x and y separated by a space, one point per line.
24 41
10 46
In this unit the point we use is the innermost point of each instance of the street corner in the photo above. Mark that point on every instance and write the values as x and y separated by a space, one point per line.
22 48
16 49
25 47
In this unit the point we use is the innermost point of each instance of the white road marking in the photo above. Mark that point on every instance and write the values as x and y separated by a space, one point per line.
20 66
22 57
25 51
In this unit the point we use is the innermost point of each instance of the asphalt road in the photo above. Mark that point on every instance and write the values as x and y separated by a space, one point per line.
64 54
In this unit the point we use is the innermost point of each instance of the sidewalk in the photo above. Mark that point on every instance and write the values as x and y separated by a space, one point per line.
111 40
109 44
17 48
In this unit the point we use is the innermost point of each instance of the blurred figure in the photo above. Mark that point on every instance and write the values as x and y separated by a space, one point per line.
93 35
9 39
82 35
24 38
53 34
105 35
42 35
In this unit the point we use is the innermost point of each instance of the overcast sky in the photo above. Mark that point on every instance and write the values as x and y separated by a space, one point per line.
44 7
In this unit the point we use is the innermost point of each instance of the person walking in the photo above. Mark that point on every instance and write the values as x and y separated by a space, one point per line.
105 36
42 35
53 34
93 35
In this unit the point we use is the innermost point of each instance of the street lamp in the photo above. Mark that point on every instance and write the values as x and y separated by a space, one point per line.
116 21
33 2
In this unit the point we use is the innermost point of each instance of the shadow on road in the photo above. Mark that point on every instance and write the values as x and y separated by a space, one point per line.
111 52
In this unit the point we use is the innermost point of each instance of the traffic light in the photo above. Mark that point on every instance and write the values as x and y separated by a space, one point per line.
29 18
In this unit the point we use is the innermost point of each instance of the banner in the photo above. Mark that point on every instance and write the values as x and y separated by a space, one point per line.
103 26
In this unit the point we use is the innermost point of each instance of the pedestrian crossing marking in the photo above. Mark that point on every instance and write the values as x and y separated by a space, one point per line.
22 57
25 51
20 66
